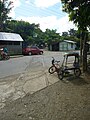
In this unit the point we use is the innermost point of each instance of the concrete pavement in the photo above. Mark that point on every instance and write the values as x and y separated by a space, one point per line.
34 78
16 56
18 86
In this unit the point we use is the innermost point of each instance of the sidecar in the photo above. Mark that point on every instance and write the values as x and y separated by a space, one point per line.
70 64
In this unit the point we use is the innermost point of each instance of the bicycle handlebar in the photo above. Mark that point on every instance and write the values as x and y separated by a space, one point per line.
53 61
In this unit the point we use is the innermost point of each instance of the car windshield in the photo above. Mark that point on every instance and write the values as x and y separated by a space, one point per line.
35 47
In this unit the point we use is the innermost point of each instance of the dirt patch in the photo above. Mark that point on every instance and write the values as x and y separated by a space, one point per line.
65 100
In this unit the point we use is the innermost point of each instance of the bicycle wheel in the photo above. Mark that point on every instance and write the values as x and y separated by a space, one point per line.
77 72
60 74
52 69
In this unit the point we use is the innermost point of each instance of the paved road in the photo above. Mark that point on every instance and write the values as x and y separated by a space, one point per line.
13 66
19 65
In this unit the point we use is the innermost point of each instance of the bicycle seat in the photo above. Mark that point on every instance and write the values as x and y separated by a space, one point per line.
57 61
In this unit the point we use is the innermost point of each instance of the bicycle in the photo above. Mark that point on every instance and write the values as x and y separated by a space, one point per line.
55 66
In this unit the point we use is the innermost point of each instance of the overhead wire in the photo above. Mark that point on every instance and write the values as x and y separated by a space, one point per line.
45 11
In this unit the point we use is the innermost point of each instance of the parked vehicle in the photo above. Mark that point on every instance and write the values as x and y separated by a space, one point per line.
55 66
32 50
66 68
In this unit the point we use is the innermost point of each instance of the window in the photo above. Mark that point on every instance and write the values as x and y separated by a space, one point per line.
17 43
3 42
9 43
71 45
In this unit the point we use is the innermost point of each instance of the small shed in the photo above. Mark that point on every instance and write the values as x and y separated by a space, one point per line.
12 41
67 45
63 45
54 46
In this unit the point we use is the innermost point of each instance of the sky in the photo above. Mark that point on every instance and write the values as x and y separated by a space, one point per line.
46 13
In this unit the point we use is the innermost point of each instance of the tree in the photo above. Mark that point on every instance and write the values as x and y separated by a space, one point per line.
72 32
65 34
78 11
51 36
5 8
30 33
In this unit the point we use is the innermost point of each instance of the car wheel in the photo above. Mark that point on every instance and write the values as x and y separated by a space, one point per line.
41 53
30 53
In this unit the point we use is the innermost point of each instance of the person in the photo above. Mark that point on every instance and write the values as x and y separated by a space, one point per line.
1 52
5 50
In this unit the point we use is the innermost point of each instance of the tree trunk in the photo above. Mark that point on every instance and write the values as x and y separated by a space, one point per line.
85 53
81 47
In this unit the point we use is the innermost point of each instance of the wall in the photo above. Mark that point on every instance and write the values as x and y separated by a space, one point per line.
71 46
13 47
63 46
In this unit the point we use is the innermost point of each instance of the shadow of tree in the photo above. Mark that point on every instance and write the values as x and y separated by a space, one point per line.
77 81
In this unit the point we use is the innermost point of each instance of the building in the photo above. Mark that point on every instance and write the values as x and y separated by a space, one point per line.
12 41
63 45
67 45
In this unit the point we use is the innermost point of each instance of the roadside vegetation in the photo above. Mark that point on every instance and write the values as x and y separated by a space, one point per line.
78 11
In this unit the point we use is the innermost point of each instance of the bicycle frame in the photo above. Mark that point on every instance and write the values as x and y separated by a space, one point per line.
55 66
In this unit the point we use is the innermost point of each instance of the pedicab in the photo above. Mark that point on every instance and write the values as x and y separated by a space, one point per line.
69 65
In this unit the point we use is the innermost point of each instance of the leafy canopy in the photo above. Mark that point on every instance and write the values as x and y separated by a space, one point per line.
79 12
5 8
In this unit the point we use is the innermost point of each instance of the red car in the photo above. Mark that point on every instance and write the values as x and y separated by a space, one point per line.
32 50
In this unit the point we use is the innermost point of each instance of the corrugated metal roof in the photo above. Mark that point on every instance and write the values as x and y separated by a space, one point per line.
69 41
10 37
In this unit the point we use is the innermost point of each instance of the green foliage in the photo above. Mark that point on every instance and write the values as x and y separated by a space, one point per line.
21 27
33 34
65 34
79 12
5 7
72 32
29 32
51 36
